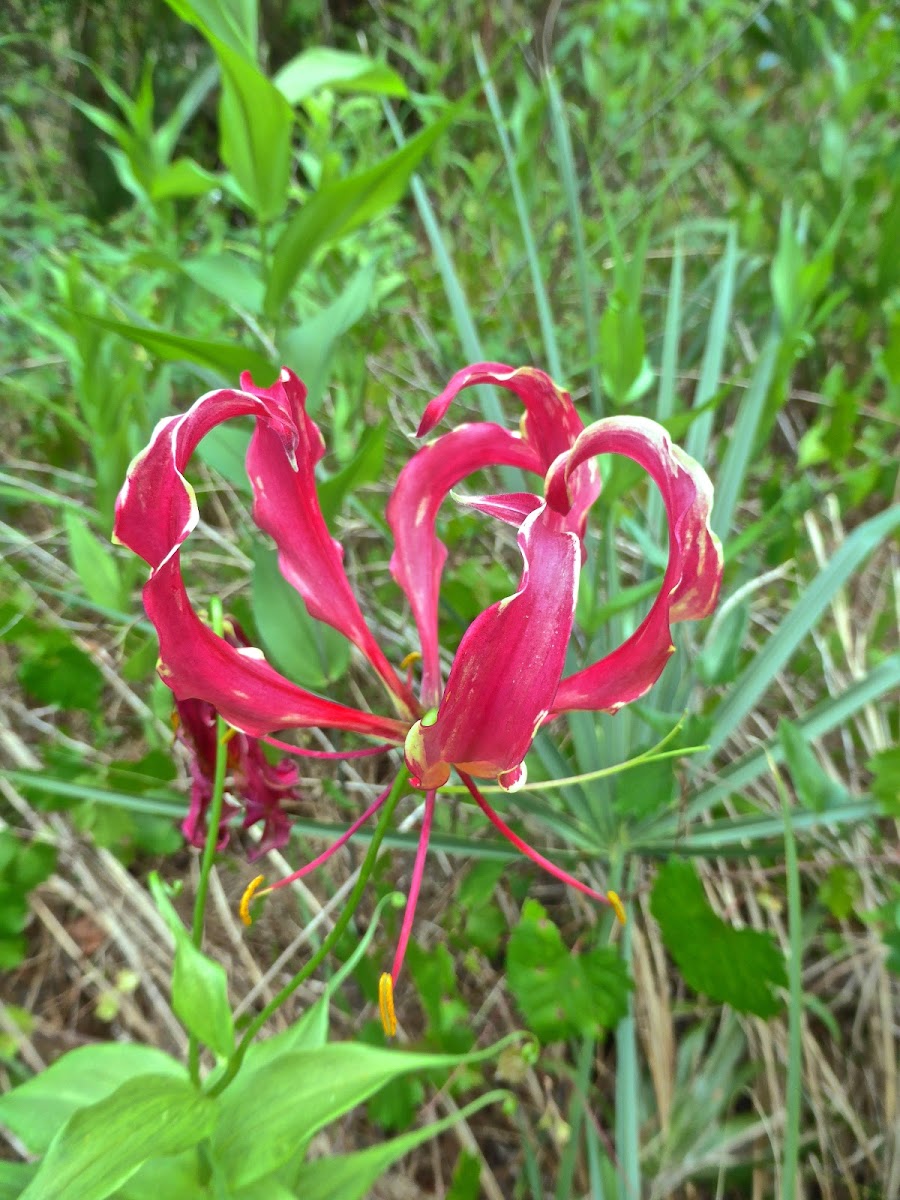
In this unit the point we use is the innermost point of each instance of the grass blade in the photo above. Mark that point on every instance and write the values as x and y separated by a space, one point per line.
756 678
697 444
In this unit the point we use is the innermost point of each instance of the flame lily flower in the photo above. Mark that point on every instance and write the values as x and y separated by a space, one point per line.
506 679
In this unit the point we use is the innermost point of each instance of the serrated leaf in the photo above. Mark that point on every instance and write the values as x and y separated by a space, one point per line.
36 1111
102 1146
562 994
740 967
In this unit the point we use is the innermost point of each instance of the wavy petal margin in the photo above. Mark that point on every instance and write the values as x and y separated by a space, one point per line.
419 555
693 575
507 668
286 507
155 513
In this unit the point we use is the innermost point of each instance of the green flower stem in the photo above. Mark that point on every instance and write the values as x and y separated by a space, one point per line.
654 754
214 816
365 871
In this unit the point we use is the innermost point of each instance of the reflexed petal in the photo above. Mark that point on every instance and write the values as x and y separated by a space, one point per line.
693 574
550 425
507 668
419 554
155 512
286 506
512 508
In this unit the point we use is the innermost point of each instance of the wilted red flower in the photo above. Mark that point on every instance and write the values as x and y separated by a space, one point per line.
506 678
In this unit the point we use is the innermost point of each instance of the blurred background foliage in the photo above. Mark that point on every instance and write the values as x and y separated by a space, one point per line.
687 210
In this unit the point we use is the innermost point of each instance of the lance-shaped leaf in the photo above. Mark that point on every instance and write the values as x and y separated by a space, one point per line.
507 668
155 513
419 554
693 574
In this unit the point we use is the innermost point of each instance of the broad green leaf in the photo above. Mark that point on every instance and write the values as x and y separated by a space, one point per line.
227 358
366 466
625 372
885 768
173 1178
36 1111
340 207
199 984
102 1146
225 450
311 346
57 672
816 789
562 994
740 967
308 651
350 1176
94 563
229 277
256 124
183 177
231 22
13 1178
268 1114
342 70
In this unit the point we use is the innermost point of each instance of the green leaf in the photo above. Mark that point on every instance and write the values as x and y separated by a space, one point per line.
255 125
199 984
267 1115
94 563
228 277
740 967
183 177
625 374
560 993
308 651
340 207
103 1145
312 345
58 672
816 789
351 1176
231 22
227 358
885 768
342 70
36 1111
366 466
13 1178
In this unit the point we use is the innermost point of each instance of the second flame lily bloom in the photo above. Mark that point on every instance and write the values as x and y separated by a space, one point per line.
506 679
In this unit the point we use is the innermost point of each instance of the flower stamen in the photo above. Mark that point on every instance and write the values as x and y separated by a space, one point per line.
249 892
386 1005
617 906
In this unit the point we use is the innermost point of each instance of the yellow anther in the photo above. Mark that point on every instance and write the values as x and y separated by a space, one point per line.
386 1005
249 892
413 656
617 905
229 733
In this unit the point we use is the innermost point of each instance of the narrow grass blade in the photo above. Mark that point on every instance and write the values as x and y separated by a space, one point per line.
628 1131
566 160
665 398
541 299
733 471
569 1158
834 712
757 677
794 1081
697 444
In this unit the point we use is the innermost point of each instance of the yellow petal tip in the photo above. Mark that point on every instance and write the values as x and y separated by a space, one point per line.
617 906
386 1005
249 892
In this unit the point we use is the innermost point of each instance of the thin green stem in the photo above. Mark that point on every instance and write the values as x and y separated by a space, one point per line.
365 871
794 1082
214 816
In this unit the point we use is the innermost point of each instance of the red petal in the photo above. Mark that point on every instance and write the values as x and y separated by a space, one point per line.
507 668
693 575
550 425
155 512
286 506
421 488
512 508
